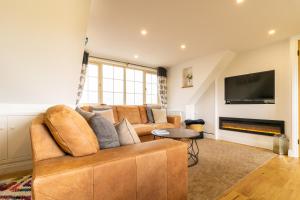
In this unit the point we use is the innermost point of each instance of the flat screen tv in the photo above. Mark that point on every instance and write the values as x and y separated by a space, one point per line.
256 88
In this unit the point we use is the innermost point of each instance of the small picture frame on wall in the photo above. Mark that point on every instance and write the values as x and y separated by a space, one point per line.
187 77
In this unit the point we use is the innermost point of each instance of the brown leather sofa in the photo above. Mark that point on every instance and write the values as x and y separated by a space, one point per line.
149 170
137 116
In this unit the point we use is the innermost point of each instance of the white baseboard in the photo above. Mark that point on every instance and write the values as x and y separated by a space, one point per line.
15 167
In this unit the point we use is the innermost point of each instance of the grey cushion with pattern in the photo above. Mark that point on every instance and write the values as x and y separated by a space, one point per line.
105 131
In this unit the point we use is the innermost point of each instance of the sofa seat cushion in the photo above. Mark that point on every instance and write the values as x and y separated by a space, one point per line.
131 113
71 131
163 125
143 129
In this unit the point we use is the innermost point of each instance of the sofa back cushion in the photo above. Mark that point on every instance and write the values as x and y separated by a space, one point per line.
131 113
71 131
143 113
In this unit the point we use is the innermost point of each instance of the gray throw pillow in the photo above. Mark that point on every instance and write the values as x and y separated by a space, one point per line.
86 115
127 134
105 131
150 113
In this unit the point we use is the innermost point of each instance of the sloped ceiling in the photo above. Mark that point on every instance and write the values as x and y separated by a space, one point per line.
205 26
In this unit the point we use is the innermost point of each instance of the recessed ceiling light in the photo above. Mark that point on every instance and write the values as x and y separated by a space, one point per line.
272 32
144 32
183 46
239 1
136 56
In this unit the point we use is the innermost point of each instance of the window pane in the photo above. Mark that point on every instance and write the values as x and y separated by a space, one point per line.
93 97
107 71
138 75
92 70
129 87
130 74
118 85
148 78
154 78
108 98
148 88
84 98
93 84
130 99
118 73
154 89
108 85
118 98
148 99
154 99
138 87
138 99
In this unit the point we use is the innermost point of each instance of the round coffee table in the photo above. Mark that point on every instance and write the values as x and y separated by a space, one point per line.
179 134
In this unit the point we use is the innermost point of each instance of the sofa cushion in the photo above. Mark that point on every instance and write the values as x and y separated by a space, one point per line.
85 114
160 115
107 114
143 129
149 108
164 125
143 113
131 113
127 134
105 132
71 131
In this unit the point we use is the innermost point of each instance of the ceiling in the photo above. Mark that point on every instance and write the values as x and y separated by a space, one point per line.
205 26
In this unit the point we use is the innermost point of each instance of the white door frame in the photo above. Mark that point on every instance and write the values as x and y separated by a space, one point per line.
294 152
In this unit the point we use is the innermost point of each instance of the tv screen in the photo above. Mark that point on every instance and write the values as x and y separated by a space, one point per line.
253 88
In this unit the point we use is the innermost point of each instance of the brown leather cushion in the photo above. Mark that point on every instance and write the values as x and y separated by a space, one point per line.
131 113
71 131
143 129
143 113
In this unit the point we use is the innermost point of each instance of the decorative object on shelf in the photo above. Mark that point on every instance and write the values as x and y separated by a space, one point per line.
187 77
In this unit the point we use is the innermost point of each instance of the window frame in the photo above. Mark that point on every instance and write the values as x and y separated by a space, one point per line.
100 62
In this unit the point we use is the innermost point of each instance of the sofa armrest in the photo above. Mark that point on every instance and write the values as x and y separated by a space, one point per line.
174 119
117 173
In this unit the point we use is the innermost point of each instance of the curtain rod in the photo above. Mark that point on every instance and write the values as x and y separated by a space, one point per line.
126 63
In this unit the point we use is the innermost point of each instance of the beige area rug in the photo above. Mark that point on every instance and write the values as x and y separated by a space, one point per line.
221 165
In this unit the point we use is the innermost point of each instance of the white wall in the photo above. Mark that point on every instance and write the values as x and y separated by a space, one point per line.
205 109
197 101
41 50
179 97
274 57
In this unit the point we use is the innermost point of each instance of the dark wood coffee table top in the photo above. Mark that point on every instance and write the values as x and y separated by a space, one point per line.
176 133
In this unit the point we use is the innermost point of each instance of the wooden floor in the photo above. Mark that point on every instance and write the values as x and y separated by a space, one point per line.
279 179
15 174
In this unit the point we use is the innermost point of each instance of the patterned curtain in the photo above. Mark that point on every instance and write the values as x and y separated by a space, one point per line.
82 76
162 86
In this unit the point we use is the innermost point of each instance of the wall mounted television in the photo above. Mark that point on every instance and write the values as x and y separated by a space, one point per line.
256 88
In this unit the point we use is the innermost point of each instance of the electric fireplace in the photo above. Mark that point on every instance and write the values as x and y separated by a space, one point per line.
253 126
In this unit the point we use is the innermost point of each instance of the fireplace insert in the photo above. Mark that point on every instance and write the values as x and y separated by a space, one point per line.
254 126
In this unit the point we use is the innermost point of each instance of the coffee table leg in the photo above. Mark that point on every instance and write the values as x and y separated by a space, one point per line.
193 152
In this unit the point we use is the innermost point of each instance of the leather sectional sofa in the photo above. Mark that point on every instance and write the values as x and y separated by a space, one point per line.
137 116
149 170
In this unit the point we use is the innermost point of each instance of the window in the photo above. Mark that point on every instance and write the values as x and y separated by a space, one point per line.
113 85
90 91
151 88
134 87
